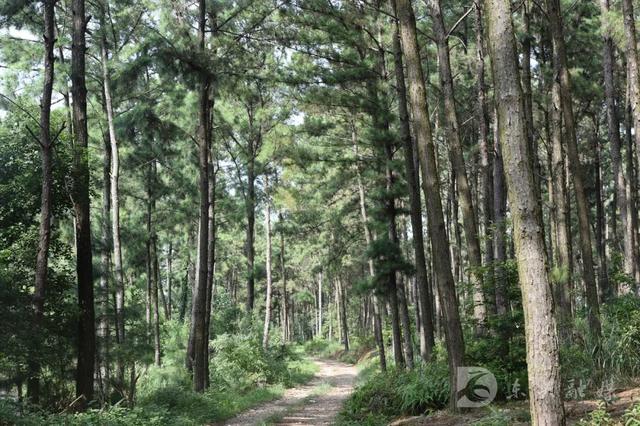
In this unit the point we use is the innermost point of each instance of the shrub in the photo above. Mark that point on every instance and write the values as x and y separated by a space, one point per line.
239 361
398 392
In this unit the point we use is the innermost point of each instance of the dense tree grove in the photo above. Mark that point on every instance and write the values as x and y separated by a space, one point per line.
190 192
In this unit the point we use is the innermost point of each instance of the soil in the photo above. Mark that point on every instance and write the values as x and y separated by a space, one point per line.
315 403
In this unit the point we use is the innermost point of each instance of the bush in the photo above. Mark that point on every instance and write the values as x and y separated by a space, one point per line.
616 360
239 361
398 392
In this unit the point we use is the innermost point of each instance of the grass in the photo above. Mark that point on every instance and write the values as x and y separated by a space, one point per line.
172 402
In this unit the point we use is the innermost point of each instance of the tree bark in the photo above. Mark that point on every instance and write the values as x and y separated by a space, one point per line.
405 322
613 126
457 161
561 73
251 218
431 188
200 372
81 205
115 202
540 325
267 226
283 273
169 281
211 254
603 274
425 324
486 160
563 281
153 268
44 232
368 236
343 313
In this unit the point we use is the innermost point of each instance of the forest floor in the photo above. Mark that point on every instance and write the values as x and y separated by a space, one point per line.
315 403
516 413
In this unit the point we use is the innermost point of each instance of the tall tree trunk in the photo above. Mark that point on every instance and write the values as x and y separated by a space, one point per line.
104 330
613 125
115 201
211 255
200 372
44 233
457 161
153 267
267 226
540 325
486 160
251 218
392 278
632 187
343 313
603 274
319 331
425 324
368 236
81 205
283 274
162 292
169 281
561 73
431 188
561 247
631 42
500 226
405 322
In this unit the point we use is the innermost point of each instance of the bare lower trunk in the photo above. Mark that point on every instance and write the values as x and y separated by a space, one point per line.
405 322
561 73
44 233
81 205
200 372
378 323
267 227
540 325
561 247
457 161
613 126
211 257
425 323
115 206
431 188
486 163
603 275
283 274
343 313
249 243
152 262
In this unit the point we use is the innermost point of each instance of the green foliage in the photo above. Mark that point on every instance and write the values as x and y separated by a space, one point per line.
239 361
598 417
616 360
398 392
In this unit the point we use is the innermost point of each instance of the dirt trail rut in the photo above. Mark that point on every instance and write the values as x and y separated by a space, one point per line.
316 403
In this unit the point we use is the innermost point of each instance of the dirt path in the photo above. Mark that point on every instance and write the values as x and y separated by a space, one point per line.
316 403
